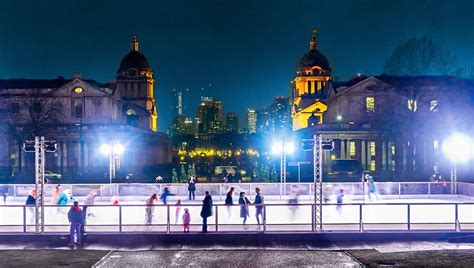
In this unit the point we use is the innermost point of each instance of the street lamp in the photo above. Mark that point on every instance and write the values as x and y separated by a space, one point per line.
458 148
113 150
283 147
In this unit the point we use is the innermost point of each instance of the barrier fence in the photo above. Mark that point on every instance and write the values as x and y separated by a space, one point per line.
274 218
219 190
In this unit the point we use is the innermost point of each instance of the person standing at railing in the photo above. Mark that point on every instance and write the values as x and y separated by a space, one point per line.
186 220
75 218
31 204
258 205
64 198
206 210
150 202
244 207
192 188
229 201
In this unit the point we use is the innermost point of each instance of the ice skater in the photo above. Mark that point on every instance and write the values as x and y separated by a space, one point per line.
150 202
244 207
178 211
56 194
371 187
340 197
259 200
293 201
165 194
31 204
186 220
206 210
229 201
192 188
4 191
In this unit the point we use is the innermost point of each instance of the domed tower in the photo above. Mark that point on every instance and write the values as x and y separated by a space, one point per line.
307 89
136 84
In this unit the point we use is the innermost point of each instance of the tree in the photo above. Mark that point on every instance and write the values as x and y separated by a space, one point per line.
264 173
183 176
420 56
274 174
174 176
192 171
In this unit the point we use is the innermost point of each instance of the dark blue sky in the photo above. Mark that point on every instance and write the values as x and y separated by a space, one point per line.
247 50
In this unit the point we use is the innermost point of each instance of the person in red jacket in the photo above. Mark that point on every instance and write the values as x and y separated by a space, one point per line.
75 218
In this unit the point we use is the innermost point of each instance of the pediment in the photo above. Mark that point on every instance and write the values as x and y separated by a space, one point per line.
88 89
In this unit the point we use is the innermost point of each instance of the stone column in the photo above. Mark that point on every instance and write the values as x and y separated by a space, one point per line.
343 149
363 154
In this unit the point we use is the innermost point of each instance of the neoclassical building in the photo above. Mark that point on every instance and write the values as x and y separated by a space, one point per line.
81 115
393 126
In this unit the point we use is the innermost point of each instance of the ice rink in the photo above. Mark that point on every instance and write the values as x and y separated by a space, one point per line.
388 213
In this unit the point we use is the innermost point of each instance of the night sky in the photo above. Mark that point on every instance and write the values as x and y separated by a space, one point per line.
243 52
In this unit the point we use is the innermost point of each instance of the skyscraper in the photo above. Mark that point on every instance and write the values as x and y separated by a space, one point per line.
209 117
232 122
252 120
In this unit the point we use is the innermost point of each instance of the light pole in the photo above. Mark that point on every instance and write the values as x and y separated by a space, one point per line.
458 148
113 150
283 147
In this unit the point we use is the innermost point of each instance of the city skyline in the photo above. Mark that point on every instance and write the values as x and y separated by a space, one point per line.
248 54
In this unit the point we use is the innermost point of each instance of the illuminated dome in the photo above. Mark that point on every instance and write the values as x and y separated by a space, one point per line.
314 58
134 59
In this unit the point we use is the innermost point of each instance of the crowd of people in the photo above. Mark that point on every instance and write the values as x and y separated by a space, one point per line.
77 216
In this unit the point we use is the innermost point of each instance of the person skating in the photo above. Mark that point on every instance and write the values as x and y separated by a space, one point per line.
4 192
371 186
192 188
340 197
31 204
186 220
206 210
259 200
150 208
229 201
165 194
244 207
75 218
178 211
56 194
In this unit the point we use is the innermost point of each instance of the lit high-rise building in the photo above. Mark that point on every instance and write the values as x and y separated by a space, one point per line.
232 122
252 120
209 116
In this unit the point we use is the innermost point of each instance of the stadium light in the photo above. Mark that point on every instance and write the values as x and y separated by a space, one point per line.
279 146
458 148
105 149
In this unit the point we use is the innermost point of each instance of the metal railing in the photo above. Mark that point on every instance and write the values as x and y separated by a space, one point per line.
358 217
219 190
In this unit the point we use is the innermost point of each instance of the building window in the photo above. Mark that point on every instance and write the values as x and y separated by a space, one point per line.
433 105
393 165
372 148
78 111
412 105
131 112
393 149
372 165
352 148
78 90
370 104
15 108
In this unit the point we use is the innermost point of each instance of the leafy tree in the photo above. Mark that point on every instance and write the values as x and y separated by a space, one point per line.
174 177
420 56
